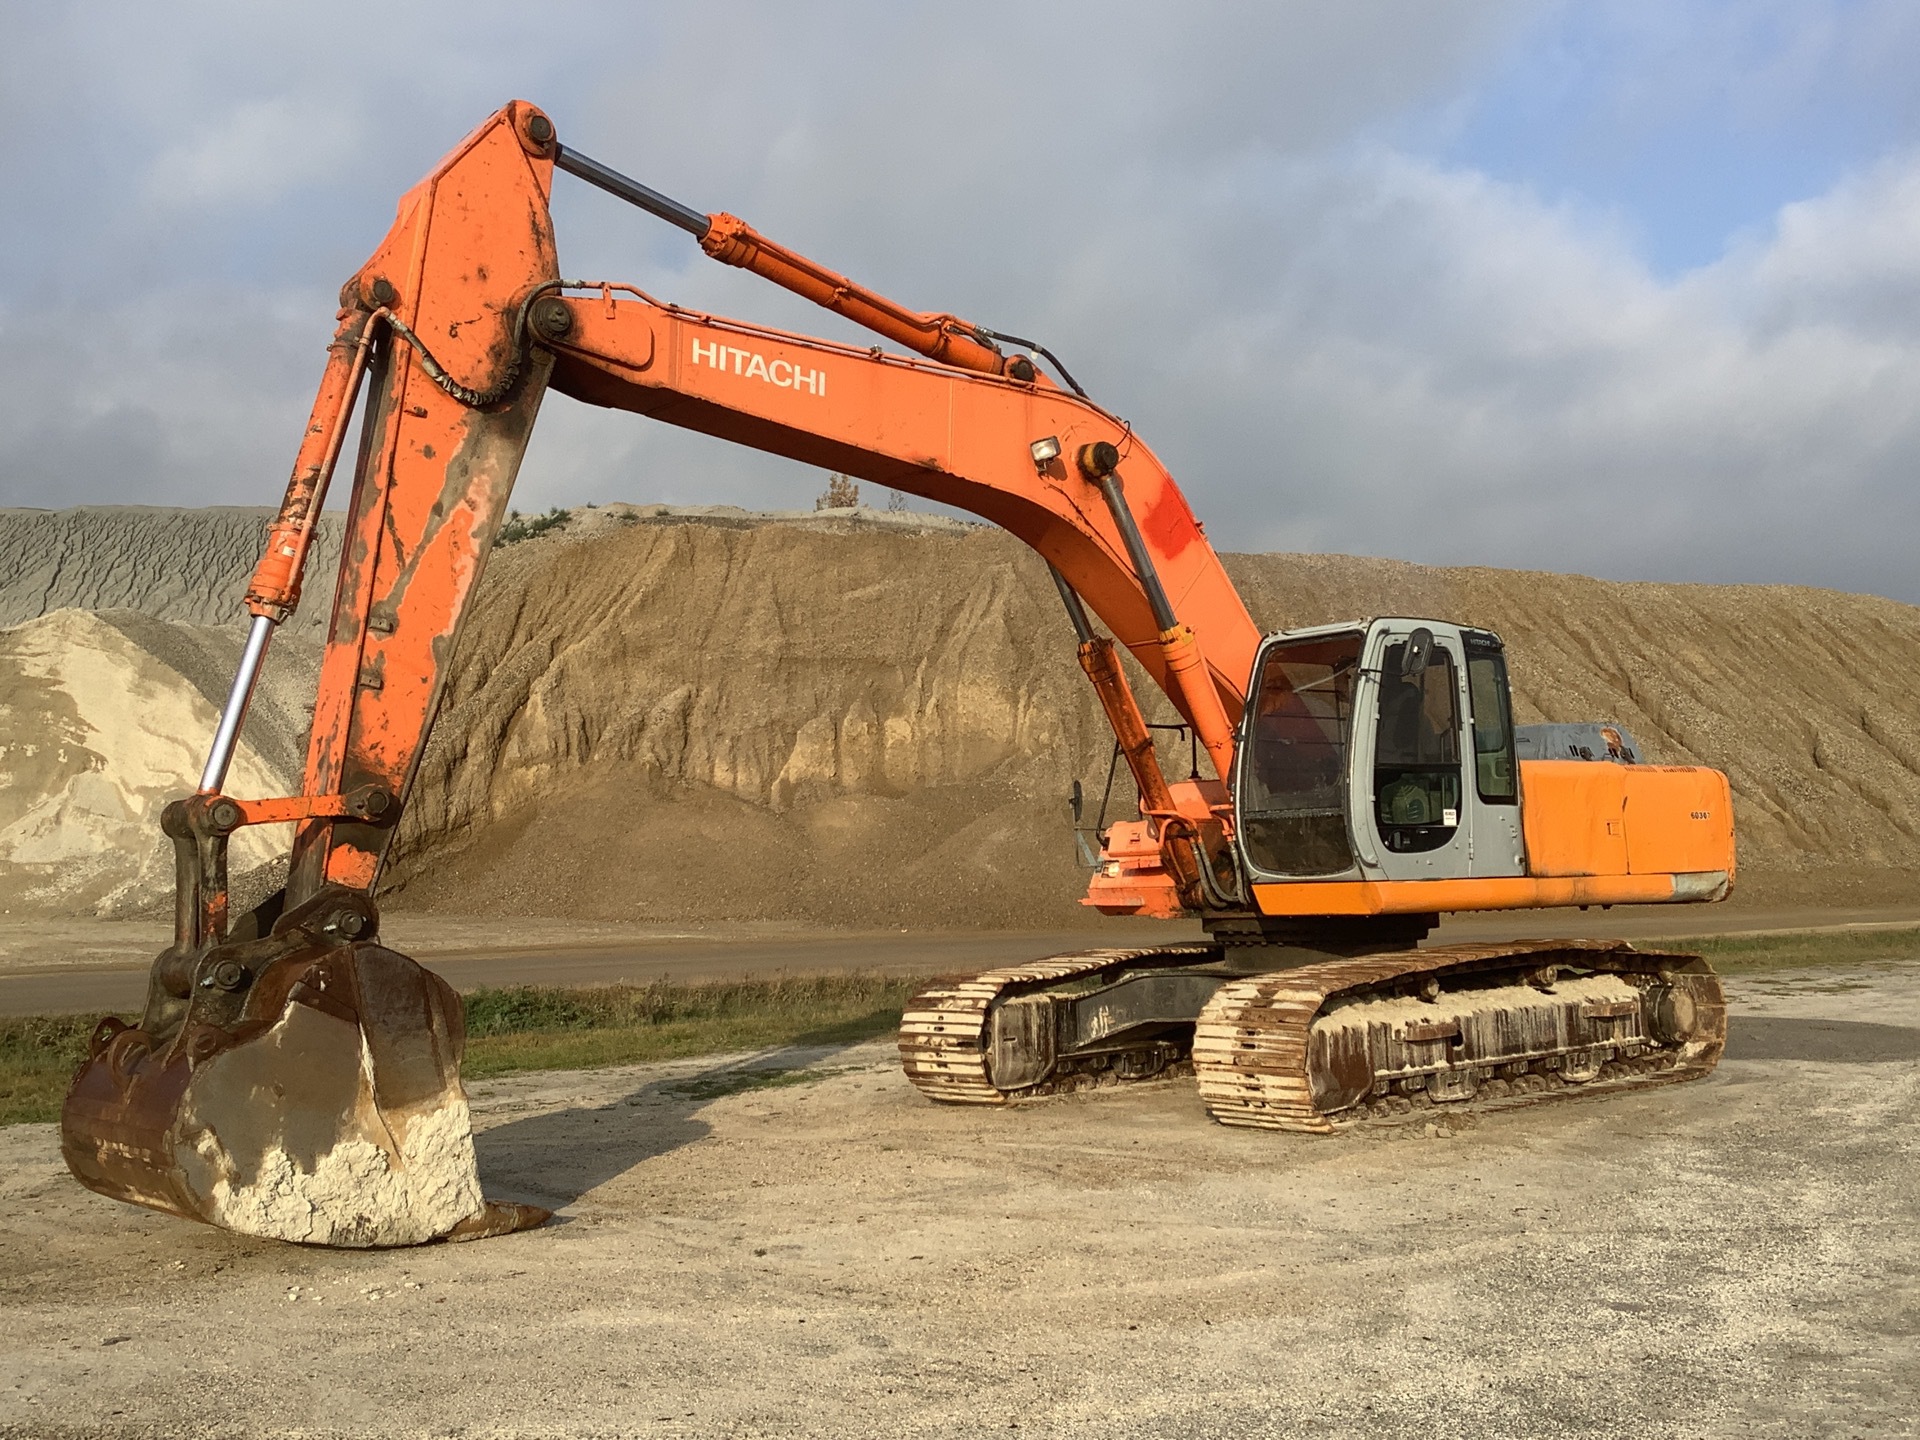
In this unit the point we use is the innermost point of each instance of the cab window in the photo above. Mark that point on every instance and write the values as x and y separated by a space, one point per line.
1493 762
1416 754
1293 772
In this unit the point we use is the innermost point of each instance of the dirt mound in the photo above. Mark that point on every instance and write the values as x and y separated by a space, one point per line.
691 721
188 566
192 566
701 721
874 721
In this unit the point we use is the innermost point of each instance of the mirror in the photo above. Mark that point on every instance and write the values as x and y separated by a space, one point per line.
1077 799
1413 661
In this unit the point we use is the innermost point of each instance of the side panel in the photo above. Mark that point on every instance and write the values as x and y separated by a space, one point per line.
1597 818
1312 898
1679 818
1574 813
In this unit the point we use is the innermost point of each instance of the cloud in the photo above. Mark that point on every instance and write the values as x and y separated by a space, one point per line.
256 151
1849 258
1221 216
1503 382
182 396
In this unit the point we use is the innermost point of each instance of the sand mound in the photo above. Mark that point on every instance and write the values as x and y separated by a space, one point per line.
874 721
191 566
706 721
96 735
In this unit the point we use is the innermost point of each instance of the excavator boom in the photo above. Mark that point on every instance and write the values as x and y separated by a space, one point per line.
291 1077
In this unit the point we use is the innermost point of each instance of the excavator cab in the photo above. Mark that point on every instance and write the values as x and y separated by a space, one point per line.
1380 775
1380 750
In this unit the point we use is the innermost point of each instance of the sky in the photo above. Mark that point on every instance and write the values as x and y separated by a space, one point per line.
1627 289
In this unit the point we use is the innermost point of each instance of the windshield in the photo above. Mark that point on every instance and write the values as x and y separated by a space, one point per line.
1293 779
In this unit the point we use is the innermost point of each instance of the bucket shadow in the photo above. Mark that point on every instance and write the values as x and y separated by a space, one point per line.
1848 1042
554 1159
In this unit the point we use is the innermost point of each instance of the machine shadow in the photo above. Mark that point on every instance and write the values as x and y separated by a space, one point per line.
554 1159
1848 1042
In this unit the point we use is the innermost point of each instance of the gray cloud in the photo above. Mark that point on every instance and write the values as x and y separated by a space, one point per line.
1211 211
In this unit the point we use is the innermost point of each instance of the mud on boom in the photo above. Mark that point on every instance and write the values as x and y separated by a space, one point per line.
292 1077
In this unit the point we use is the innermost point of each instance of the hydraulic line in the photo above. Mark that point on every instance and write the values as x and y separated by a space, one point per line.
1037 348
1179 646
1137 551
275 586
730 240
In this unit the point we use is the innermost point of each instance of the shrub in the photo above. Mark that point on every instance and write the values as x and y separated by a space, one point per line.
841 494
520 527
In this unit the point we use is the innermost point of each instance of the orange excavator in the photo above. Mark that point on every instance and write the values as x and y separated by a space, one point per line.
292 1077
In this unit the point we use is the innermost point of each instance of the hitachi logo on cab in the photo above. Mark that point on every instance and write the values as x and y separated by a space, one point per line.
783 373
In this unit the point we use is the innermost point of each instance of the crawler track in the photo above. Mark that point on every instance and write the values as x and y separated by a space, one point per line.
943 1033
1349 1041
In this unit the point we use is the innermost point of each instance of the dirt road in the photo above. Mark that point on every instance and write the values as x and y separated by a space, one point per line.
835 1257
100 967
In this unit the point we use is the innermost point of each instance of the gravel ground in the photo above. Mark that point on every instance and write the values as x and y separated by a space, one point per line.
835 1257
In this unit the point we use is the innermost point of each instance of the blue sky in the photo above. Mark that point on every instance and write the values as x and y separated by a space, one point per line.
1626 289
1688 122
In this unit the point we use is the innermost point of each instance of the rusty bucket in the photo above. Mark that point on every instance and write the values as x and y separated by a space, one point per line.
303 1086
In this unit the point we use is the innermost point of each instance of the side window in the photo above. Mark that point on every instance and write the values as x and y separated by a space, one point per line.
1416 753
1494 771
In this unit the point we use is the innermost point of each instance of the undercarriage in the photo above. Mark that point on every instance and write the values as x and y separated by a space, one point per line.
1289 1038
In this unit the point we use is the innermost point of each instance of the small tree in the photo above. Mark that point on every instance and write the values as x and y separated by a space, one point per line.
896 502
841 494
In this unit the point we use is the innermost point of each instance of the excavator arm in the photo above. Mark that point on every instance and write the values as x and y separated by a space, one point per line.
455 329
460 322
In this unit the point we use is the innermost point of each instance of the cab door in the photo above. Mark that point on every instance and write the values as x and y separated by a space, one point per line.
1412 778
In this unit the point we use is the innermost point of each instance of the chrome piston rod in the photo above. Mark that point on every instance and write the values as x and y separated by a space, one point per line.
235 714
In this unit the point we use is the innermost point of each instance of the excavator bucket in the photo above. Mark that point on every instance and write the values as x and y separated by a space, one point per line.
303 1086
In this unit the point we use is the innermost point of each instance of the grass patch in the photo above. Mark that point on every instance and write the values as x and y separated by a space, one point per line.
38 1057
542 1028
1797 949
538 1027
